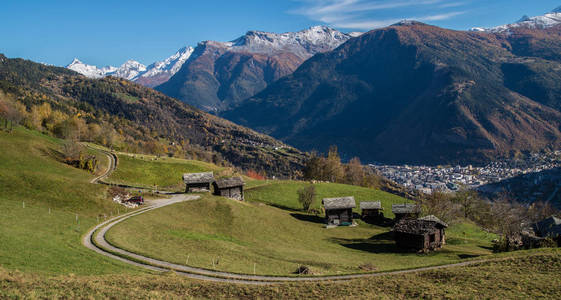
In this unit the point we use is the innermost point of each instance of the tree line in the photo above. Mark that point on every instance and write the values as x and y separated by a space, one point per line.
330 168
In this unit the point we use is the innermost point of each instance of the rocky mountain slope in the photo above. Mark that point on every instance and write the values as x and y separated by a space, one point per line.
151 76
220 75
416 93
138 117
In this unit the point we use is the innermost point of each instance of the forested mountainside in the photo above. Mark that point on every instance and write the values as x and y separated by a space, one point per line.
414 93
127 116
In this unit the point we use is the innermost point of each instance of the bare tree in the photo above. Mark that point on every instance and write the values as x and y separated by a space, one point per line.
307 196
354 172
439 204
467 199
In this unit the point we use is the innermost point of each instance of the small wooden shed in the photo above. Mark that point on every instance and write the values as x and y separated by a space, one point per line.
371 211
198 181
338 210
229 187
406 211
422 235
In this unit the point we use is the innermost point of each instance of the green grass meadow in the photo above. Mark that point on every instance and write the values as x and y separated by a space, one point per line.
165 172
284 194
33 183
241 235
41 255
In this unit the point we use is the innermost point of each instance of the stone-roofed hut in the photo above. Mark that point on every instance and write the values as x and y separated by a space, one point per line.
371 211
406 211
422 235
198 181
229 187
338 210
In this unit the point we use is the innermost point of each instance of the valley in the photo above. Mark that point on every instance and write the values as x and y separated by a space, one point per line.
402 160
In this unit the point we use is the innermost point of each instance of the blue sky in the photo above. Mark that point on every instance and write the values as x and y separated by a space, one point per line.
110 32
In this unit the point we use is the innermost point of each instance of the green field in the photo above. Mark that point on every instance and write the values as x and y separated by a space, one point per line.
530 275
32 181
242 235
147 171
284 194
41 255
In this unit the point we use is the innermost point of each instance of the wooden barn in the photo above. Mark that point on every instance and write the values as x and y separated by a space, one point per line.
406 211
339 211
371 211
229 187
421 235
198 181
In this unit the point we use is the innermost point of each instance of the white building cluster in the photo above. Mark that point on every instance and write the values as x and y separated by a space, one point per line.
448 179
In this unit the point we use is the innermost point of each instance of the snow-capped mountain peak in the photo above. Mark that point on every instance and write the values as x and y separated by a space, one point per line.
171 64
538 22
129 70
85 69
133 70
303 43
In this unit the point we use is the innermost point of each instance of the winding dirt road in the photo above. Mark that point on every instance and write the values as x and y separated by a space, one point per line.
95 240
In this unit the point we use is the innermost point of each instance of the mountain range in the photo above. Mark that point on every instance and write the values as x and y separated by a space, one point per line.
548 20
221 75
406 93
414 93
218 75
150 76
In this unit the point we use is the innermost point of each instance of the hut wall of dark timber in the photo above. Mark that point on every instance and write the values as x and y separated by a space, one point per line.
424 234
229 188
339 216
371 212
420 241
339 210
198 181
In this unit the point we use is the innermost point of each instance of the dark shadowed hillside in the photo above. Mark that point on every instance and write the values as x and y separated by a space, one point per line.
420 94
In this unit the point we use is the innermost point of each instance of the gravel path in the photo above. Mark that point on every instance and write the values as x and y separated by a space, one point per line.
102 247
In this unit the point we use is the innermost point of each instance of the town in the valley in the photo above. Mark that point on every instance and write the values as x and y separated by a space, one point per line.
427 179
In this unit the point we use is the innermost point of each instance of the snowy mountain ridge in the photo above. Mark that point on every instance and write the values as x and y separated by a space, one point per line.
303 43
548 20
134 70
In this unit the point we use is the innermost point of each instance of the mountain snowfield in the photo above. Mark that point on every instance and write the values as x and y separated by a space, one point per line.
151 76
303 43
539 22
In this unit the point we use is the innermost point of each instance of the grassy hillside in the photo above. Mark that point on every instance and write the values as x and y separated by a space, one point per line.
129 117
284 194
33 182
239 235
147 170
534 275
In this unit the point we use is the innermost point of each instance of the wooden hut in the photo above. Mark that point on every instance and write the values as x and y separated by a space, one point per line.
371 211
229 187
339 211
405 211
198 181
422 235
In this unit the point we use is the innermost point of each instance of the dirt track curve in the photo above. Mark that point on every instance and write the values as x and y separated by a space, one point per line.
95 240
